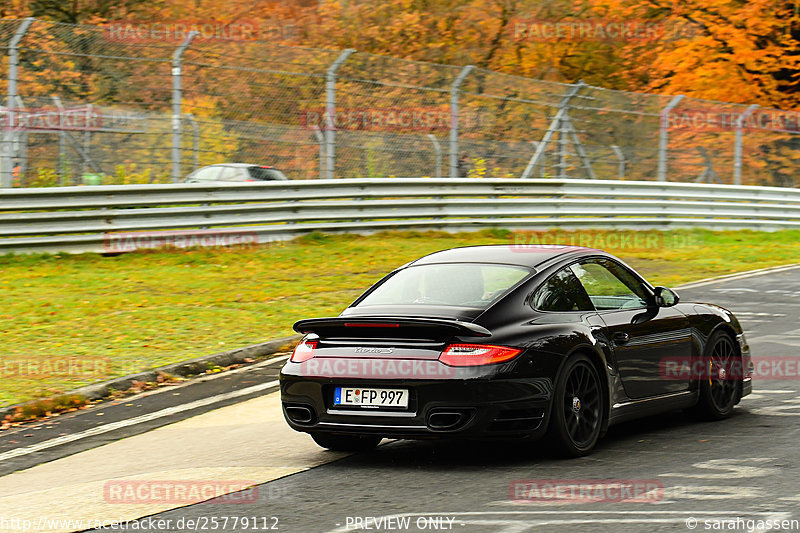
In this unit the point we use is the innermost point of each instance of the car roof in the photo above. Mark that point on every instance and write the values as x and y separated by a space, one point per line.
241 165
527 255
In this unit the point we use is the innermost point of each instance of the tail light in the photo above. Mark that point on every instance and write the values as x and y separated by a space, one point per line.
303 351
477 354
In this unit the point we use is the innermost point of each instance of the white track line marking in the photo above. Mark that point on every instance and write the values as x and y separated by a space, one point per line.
738 276
99 430
284 358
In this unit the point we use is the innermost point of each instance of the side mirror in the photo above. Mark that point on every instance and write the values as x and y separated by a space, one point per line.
666 297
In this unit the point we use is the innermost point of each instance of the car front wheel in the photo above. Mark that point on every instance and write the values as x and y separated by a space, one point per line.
719 389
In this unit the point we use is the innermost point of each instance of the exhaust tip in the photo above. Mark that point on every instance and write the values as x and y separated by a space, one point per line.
300 414
447 420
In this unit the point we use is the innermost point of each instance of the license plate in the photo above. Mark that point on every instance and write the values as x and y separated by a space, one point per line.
360 397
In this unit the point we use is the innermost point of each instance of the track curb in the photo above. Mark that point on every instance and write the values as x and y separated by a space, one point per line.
198 365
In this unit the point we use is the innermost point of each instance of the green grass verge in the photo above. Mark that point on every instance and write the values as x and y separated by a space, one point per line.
112 316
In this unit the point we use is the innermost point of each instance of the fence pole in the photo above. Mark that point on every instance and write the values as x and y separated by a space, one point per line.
737 150
195 140
584 157
664 136
87 143
176 104
437 148
9 136
330 112
555 125
454 87
621 159
542 166
562 143
62 143
321 141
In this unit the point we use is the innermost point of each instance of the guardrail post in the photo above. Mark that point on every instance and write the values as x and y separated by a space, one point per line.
454 87
664 136
737 149
9 136
330 113
177 72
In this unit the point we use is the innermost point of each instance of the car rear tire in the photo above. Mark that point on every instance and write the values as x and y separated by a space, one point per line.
577 412
720 388
346 443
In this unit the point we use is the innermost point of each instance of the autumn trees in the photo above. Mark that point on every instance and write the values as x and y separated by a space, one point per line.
730 50
738 51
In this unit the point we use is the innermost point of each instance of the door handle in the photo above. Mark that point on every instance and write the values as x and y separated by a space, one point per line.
621 338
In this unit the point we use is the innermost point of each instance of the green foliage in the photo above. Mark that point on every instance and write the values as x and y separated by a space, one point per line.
130 174
44 177
478 169
315 237
499 233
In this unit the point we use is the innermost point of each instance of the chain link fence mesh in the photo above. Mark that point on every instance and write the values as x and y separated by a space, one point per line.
99 102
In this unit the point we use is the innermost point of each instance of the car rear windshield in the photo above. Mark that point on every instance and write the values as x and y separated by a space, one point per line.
265 174
462 285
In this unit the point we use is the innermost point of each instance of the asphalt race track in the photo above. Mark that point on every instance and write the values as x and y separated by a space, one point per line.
741 474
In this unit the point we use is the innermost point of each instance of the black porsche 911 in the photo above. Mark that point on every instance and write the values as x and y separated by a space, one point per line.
511 341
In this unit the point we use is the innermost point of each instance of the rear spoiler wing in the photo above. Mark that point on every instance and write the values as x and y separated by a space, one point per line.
388 327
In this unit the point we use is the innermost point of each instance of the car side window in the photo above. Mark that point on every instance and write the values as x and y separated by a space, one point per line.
231 174
561 292
610 286
265 174
204 174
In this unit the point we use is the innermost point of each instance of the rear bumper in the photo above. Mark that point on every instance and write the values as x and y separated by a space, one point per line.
747 365
747 386
477 408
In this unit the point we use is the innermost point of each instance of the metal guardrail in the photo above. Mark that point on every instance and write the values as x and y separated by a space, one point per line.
80 219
